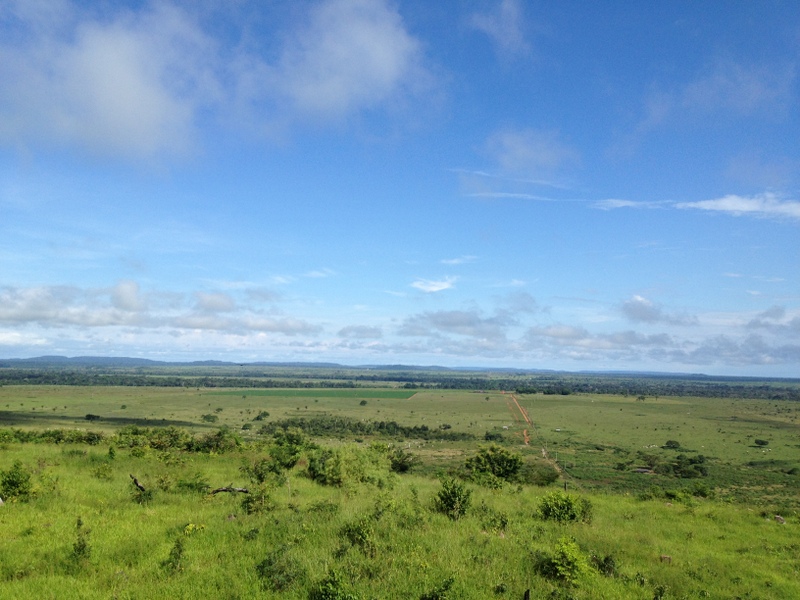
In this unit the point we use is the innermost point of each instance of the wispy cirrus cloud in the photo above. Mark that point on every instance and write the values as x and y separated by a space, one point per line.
765 205
761 205
530 152
434 285
468 258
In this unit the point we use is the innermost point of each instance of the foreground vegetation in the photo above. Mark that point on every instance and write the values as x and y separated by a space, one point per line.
385 492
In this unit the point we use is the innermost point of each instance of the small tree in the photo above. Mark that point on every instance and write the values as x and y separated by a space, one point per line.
453 499
495 460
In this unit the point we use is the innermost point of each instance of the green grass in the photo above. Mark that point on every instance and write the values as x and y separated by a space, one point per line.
726 546
720 549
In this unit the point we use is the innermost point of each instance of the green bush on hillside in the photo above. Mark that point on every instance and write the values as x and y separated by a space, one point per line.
562 507
496 461
453 499
15 484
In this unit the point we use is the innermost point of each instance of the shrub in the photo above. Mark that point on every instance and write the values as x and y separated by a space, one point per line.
279 571
360 534
496 460
15 484
288 445
567 563
81 549
562 507
209 418
761 442
401 461
672 445
538 473
332 587
258 501
197 484
453 499
348 465
440 592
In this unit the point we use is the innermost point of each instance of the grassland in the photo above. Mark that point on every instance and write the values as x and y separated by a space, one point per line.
719 531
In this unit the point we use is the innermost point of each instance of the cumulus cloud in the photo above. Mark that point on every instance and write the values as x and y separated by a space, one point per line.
126 296
214 302
504 26
761 205
128 86
360 332
430 285
777 320
642 310
458 322
350 55
123 306
140 84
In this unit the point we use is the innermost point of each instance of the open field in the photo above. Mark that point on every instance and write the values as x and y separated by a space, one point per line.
590 436
379 532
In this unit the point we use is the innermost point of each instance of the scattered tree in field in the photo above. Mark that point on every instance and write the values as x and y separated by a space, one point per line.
496 461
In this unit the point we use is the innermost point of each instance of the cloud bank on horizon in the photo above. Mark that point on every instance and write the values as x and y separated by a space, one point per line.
375 181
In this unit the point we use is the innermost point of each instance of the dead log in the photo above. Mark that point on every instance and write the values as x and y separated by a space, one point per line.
230 489
137 484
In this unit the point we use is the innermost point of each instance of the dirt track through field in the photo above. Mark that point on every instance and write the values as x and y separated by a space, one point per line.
525 416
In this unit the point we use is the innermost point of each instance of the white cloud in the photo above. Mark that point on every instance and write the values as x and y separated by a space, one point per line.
214 302
613 203
129 86
504 26
642 310
140 85
458 322
360 332
742 89
458 261
125 296
761 205
430 286
350 55
530 152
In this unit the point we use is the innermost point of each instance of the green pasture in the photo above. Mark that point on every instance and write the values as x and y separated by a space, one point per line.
598 440
404 549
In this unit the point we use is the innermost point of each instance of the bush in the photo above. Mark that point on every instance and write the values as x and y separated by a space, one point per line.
401 461
562 507
495 460
209 418
258 501
761 442
567 563
15 484
453 499
332 587
440 592
672 445
279 571
348 465
360 534
538 473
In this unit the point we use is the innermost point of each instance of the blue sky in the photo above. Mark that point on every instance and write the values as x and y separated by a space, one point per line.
556 185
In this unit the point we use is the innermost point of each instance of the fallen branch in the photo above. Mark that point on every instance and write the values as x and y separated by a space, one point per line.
230 489
137 484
